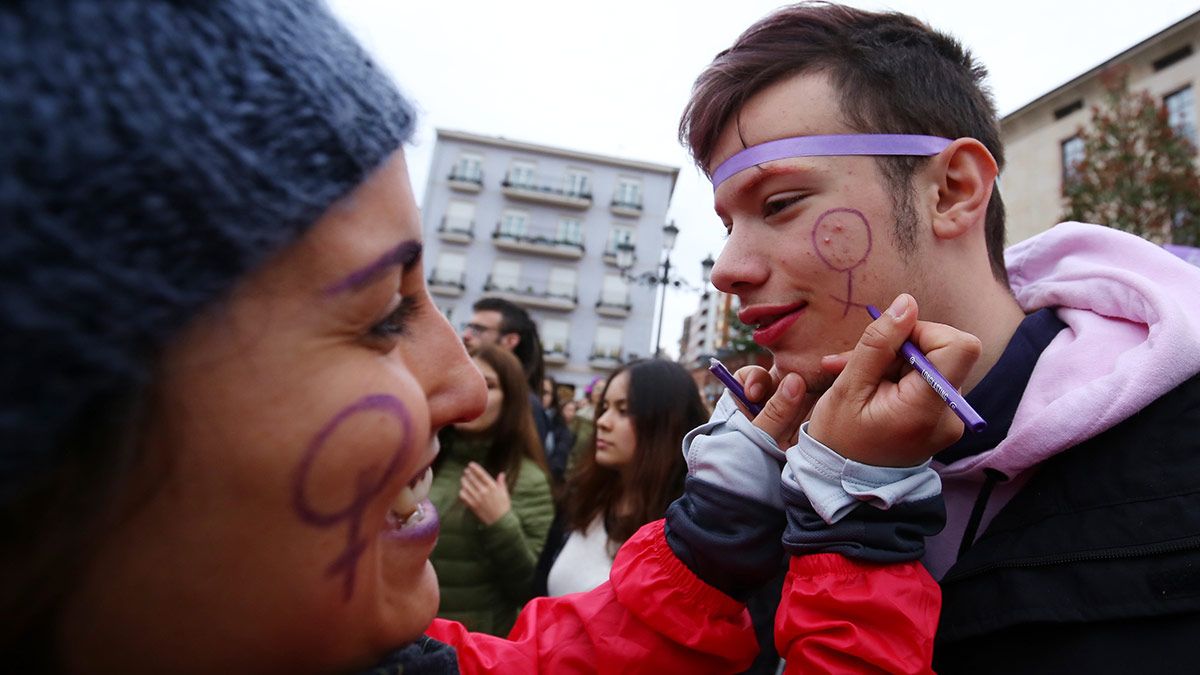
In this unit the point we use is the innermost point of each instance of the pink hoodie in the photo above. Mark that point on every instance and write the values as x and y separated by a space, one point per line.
1132 312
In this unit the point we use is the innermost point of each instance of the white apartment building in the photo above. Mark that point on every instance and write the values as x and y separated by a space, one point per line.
541 226
706 331
1041 138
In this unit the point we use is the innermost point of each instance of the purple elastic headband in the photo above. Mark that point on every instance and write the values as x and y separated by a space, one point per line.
818 146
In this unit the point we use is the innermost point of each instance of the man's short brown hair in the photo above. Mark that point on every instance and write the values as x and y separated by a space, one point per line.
894 75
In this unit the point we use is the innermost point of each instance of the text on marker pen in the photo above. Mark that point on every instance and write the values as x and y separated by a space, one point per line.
940 385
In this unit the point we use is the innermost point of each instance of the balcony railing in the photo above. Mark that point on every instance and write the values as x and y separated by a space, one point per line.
528 295
625 207
556 354
614 306
546 190
459 230
447 283
544 244
610 254
465 181
605 358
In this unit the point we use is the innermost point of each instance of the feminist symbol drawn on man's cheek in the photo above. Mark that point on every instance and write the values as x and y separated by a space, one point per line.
842 239
368 483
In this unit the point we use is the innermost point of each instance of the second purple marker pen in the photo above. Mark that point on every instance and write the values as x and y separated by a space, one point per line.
717 368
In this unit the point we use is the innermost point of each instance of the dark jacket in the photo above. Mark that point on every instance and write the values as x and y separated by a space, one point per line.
1094 566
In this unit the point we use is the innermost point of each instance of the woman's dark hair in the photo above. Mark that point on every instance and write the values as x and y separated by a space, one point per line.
513 436
665 404
555 402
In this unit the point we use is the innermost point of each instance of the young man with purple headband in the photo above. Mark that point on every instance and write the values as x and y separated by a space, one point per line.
854 157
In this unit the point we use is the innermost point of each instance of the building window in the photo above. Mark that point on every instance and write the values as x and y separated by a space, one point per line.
1072 155
608 342
570 230
514 223
449 268
554 334
1073 106
460 217
577 183
469 167
506 275
1181 113
620 234
520 174
628 193
1172 58
562 282
614 291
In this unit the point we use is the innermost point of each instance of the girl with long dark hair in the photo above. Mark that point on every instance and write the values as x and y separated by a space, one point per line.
491 488
634 473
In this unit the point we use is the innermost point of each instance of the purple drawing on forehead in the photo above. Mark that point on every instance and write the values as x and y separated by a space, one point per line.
842 240
369 483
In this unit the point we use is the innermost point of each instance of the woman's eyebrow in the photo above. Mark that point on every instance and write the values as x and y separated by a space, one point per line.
405 255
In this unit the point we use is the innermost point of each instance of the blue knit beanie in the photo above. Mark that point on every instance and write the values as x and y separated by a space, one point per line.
152 152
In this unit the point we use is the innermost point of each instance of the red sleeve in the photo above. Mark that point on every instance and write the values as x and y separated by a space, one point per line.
654 616
844 616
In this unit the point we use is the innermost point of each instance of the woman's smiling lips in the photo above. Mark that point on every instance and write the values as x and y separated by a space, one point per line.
771 321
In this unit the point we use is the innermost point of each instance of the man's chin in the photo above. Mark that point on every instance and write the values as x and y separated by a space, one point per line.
816 381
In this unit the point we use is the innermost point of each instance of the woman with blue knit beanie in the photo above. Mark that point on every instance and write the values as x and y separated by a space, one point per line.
223 379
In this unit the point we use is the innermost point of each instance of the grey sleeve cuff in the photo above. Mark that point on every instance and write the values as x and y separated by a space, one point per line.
834 485
733 454
836 505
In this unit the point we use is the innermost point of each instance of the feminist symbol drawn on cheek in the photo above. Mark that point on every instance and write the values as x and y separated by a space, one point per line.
842 239
369 483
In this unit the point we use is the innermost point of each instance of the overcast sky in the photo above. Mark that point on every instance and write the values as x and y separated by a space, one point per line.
612 77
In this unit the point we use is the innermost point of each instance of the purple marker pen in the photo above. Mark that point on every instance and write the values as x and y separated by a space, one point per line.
717 368
943 388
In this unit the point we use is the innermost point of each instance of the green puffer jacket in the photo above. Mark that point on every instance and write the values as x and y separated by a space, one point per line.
486 571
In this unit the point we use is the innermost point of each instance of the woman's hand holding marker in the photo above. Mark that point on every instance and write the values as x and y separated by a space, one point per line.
872 413
873 417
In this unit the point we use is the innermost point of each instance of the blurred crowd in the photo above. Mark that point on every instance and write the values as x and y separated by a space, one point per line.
537 494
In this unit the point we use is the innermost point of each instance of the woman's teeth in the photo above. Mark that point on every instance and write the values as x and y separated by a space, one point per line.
408 503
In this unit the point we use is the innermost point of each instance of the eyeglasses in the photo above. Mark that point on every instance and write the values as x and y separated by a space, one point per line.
477 329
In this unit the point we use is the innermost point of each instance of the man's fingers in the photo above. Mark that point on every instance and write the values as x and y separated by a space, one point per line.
784 410
877 348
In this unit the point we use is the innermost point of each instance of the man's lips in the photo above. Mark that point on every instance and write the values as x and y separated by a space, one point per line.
771 322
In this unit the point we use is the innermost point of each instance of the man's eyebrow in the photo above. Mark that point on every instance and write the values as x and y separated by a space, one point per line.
762 173
405 255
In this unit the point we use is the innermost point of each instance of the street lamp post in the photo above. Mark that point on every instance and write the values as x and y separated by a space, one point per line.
662 277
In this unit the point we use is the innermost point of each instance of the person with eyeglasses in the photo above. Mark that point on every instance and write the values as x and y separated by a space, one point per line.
506 324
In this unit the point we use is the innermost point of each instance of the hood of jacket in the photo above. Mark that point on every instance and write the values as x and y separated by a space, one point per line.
1132 315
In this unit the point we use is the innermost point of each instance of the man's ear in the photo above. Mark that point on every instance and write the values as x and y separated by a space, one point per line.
965 173
510 341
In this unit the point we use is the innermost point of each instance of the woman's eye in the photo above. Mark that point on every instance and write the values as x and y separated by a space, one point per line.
396 321
775 206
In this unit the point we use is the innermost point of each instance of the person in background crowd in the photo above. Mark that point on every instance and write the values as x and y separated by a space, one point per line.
500 322
224 377
635 471
492 492
583 426
559 440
